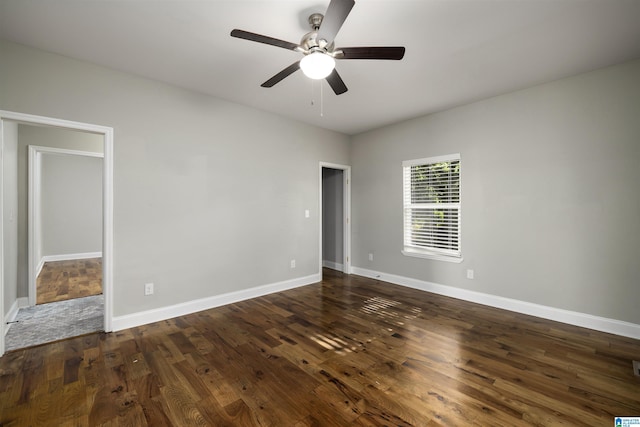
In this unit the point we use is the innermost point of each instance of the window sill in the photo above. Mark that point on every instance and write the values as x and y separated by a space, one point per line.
436 257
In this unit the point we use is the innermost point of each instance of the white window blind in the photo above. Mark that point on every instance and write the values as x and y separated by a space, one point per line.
432 206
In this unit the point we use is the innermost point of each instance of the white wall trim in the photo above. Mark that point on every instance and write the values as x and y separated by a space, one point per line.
38 269
332 265
66 151
163 313
438 257
13 312
3 325
575 318
71 257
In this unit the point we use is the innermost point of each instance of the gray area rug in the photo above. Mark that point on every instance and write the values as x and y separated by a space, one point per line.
56 321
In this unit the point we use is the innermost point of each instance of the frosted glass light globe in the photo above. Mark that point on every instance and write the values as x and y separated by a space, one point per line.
317 65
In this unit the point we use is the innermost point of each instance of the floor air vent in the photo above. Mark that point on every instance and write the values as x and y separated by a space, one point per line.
636 368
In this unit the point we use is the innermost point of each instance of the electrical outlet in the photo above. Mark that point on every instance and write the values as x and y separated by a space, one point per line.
470 274
306 213
293 263
148 289
370 257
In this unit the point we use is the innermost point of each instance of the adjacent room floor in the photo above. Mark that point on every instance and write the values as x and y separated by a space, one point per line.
69 303
64 280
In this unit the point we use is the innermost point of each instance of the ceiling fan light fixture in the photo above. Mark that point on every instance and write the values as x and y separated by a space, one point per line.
317 65
318 48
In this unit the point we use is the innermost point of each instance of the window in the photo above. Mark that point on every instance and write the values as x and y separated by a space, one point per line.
432 208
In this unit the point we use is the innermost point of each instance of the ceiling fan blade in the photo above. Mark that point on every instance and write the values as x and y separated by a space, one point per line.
281 75
389 52
336 83
241 34
334 17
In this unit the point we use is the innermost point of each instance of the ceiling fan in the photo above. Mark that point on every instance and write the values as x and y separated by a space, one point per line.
319 50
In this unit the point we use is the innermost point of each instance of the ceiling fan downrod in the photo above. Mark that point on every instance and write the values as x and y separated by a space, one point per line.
315 20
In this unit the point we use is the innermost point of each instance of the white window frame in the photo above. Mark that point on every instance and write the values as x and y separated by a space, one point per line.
423 252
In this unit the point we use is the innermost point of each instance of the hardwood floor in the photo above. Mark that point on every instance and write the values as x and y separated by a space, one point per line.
64 280
347 351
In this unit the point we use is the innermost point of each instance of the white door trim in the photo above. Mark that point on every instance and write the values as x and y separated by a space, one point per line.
35 153
2 321
346 244
107 191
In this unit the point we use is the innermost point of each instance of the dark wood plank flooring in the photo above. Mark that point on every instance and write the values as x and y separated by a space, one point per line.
347 351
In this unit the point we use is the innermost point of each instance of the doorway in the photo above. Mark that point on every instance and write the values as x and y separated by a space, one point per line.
64 215
61 235
16 293
335 223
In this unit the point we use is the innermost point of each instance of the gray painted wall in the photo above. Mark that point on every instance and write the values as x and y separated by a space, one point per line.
550 203
10 214
71 204
203 203
43 137
332 215
550 208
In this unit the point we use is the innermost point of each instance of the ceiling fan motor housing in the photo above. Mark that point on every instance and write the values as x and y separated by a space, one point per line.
310 42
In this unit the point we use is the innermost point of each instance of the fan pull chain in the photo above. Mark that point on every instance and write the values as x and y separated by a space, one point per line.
321 100
313 96
313 93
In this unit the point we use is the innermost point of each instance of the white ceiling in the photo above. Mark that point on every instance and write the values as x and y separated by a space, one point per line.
458 51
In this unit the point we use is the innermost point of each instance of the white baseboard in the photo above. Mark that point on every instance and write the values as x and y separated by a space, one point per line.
65 257
144 317
332 265
10 316
575 318
70 257
39 267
